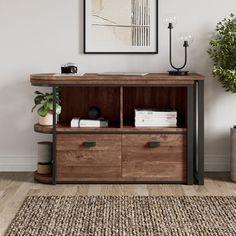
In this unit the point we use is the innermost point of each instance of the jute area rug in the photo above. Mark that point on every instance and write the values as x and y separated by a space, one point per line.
108 216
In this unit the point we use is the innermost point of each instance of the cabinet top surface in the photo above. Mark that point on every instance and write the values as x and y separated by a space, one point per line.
95 79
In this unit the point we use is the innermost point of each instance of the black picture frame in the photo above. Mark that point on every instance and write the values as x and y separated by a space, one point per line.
156 51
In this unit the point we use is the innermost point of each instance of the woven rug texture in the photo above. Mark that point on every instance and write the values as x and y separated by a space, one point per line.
113 216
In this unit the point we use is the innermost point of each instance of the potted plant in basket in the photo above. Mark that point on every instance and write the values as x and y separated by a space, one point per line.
223 53
45 111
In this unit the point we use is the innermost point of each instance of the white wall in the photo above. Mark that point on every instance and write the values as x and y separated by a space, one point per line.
38 36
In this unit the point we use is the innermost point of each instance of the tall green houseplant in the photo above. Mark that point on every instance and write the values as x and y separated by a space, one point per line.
223 53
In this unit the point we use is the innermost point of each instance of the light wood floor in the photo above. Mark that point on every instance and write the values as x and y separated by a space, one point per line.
14 187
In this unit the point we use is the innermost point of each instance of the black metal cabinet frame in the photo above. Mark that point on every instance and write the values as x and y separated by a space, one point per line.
195 131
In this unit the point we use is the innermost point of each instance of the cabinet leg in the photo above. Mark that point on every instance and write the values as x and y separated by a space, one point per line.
200 138
54 160
195 110
190 134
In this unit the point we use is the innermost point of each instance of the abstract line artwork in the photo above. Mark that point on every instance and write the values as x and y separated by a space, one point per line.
121 26
140 18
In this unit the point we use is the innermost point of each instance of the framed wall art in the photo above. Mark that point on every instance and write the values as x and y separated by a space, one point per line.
120 26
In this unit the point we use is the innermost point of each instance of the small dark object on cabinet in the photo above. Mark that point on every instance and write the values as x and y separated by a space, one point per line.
69 68
94 112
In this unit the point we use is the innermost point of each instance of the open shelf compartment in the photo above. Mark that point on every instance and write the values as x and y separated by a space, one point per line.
174 98
77 101
117 105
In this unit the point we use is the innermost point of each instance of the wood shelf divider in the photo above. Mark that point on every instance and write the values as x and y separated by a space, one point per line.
121 107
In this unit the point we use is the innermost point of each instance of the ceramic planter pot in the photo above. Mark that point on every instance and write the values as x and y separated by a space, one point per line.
233 154
47 120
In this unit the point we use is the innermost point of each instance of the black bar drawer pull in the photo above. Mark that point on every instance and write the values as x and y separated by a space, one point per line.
89 144
153 144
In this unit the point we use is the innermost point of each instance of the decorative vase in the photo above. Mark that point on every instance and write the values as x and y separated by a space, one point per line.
44 168
233 154
47 120
44 152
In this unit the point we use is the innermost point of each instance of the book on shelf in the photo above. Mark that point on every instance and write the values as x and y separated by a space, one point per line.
75 122
155 118
155 112
172 123
156 122
155 125
88 123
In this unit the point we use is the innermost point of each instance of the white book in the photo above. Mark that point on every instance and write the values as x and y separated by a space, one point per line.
156 119
156 123
136 123
74 122
92 126
159 125
156 116
155 112
85 123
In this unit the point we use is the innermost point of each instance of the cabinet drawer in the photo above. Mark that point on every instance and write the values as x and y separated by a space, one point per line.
88 156
154 157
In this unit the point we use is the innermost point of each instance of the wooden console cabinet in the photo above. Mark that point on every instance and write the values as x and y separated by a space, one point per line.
123 153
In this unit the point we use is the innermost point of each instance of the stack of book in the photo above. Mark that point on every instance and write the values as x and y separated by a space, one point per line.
155 118
88 123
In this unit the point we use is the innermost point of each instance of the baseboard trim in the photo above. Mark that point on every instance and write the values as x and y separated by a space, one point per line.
213 163
18 163
217 163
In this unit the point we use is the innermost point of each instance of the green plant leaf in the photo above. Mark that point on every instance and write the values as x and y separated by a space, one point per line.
223 53
46 100
59 89
50 105
37 92
38 99
33 108
50 97
42 111
58 109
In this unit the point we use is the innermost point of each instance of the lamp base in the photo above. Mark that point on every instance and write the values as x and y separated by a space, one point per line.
178 72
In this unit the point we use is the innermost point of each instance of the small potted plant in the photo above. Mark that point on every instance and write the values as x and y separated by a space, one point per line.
45 111
223 53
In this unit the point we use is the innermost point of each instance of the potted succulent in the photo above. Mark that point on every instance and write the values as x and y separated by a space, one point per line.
223 53
45 111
